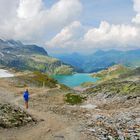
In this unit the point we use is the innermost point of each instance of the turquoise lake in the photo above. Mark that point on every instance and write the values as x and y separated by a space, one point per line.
75 79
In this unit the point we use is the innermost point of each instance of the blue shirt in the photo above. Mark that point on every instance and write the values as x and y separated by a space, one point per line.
26 95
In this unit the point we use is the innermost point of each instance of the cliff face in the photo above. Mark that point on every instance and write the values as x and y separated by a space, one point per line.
15 54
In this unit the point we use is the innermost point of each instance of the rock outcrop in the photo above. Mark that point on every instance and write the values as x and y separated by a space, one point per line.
12 116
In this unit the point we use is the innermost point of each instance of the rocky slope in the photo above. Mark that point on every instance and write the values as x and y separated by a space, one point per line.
15 54
108 110
117 80
13 116
119 99
107 74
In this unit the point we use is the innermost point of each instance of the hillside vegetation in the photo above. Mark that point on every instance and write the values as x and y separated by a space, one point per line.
14 54
107 74
113 88
131 73
111 72
117 80
35 79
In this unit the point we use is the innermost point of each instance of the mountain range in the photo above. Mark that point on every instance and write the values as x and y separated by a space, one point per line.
15 54
101 59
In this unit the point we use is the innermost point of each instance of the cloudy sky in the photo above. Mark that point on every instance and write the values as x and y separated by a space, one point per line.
72 25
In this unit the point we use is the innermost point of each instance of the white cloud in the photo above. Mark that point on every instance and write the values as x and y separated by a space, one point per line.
106 36
67 36
30 20
136 6
29 8
116 34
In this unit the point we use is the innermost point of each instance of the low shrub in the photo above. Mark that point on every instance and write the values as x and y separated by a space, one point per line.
73 98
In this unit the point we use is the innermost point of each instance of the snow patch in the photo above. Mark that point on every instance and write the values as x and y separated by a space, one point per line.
5 73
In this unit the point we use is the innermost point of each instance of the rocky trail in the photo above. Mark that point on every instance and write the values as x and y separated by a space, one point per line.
50 126
98 118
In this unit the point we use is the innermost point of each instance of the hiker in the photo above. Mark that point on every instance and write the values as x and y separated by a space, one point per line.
26 98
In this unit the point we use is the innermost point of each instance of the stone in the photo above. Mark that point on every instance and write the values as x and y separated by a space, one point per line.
91 130
12 116
110 138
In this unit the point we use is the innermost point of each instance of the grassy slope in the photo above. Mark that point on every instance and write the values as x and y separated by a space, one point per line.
52 64
111 72
40 63
36 79
108 74
123 82
131 73
30 57
116 87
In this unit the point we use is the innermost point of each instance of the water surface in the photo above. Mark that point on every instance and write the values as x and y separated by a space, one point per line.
75 79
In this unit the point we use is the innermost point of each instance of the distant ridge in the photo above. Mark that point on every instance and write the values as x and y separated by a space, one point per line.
102 59
15 54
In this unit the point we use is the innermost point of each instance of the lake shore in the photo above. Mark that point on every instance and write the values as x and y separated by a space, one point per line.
75 80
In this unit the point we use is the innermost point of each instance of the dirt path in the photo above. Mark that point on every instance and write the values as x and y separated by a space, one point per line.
52 126
15 101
